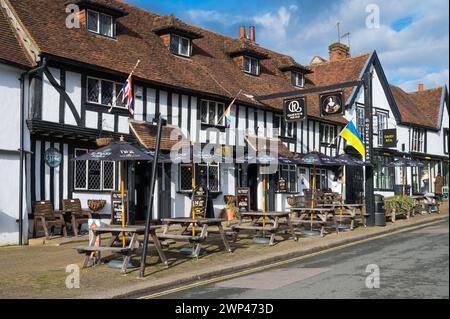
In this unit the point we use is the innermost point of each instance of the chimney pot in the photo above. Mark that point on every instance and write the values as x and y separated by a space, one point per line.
420 87
252 34
338 51
242 32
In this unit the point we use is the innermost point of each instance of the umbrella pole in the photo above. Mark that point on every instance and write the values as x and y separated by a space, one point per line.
193 191
312 194
341 209
403 182
122 194
264 200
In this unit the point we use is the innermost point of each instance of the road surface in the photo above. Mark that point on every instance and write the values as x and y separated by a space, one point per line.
412 264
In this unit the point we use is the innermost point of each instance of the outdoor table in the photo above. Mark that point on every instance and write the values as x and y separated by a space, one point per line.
114 244
184 235
322 213
423 202
273 227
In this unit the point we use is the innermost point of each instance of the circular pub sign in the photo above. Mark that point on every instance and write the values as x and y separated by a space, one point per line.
52 157
332 104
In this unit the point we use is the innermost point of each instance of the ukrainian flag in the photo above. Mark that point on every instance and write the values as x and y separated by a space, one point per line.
351 135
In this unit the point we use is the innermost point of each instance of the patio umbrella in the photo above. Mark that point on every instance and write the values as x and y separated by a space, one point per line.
117 152
315 159
348 160
403 163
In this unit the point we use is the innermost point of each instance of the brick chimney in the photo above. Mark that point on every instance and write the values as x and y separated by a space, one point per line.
420 87
242 32
338 51
252 35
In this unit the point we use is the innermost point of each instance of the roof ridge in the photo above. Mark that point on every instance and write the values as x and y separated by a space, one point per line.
339 61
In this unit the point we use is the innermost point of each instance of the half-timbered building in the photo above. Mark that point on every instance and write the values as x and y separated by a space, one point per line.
84 50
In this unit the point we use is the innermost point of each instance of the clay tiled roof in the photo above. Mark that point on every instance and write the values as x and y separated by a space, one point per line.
420 108
11 51
210 70
146 135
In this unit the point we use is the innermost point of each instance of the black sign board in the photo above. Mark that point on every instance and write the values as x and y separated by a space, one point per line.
199 202
243 199
116 208
295 109
282 187
390 138
332 103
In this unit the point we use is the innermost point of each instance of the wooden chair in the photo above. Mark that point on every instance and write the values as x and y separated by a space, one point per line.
78 215
48 218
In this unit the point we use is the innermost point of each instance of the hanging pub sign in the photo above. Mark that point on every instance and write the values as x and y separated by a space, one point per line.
282 187
390 138
52 157
116 208
243 199
331 103
295 109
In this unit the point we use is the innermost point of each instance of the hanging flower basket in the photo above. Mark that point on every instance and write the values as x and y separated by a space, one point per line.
104 141
96 204
292 201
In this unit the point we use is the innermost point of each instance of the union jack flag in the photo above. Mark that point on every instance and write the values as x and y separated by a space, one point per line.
127 95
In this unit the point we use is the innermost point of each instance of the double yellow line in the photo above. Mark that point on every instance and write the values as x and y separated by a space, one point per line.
280 263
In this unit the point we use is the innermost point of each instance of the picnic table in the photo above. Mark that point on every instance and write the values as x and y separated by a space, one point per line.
114 245
348 211
423 204
185 233
273 226
321 216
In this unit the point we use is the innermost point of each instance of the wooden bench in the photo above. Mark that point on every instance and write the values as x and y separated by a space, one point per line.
48 218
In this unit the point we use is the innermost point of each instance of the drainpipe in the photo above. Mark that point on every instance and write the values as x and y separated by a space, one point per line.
22 152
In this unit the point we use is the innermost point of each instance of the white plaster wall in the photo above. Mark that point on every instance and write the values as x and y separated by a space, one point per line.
9 107
50 98
73 89
9 199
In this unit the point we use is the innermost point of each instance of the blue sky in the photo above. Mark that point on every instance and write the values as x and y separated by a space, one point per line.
412 37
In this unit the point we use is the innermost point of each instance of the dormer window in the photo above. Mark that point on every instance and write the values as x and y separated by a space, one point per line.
180 45
298 79
100 23
251 65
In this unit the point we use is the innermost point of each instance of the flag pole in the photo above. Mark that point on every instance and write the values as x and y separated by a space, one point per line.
231 104
121 91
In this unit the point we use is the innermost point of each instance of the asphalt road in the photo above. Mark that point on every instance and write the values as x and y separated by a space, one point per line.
413 264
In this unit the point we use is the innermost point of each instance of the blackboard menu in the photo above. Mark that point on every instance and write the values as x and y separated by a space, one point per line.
116 208
199 201
243 199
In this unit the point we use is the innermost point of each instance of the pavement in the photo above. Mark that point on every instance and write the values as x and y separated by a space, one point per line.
411 265
39 271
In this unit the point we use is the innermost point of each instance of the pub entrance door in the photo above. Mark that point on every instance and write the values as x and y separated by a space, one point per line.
354 180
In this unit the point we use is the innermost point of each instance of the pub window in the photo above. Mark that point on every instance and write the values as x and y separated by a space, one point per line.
384 176
298 79
289 174
382 124
180 45
421 180
251 65
289 130
104 92
208 175
100 23
327 134
321 178
281 128
93 175
185 177
277 124
212 113
418 140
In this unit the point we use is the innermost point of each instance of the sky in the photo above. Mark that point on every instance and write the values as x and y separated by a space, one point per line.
411 37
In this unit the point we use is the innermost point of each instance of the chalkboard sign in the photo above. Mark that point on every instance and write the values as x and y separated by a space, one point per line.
116 208
199 202
243 199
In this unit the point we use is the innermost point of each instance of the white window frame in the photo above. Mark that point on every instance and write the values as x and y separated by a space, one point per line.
180 45
102 177
292 170
277 130
115 93
382 124
446 133
360 120
218 116
330 136
98 23
299 79
418 140
288 128
323 173
251 62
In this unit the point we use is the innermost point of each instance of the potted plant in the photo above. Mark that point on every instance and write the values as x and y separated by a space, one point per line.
230 212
